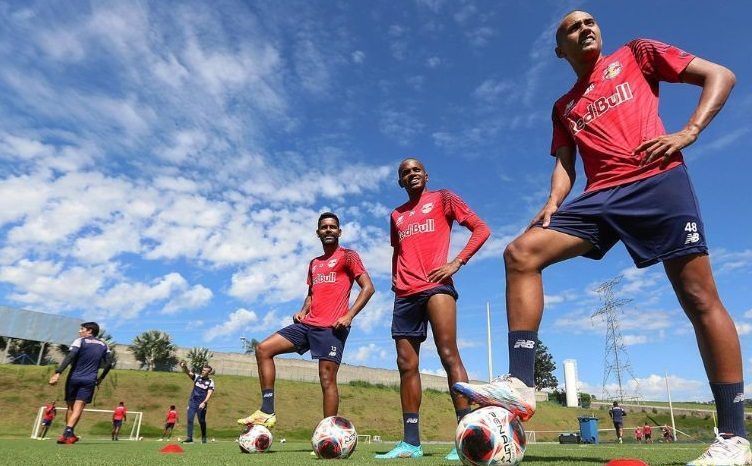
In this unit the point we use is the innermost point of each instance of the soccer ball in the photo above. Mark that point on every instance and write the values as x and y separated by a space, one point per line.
334 437
257 439
490 436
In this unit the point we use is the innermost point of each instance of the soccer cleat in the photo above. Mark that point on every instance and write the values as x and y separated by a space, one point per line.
203 440
733 451
61 440
188 440
506 391
402 450
452 456
260 418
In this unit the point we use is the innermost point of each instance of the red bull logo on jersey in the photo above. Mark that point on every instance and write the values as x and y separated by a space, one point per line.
330 277
428 207
621 94
613 70
416 228
332 263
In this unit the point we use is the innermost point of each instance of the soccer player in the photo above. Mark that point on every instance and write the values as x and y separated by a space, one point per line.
203 389
118 417
617 415
170 420
638 434
647 432
638 192
87 353
50 411
424 292
323 323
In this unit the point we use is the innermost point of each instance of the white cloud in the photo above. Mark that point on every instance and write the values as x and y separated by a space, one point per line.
433 62
743 328
362 354
439 372
630 340
240 320
358 56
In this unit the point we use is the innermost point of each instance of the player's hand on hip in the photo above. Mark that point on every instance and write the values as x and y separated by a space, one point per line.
343 322
298 316
544 215
445 271
664 146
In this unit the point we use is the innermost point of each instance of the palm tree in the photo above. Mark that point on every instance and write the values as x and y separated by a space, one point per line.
198 357
154 348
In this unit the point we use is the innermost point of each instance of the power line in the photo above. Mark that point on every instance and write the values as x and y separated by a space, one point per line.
616 365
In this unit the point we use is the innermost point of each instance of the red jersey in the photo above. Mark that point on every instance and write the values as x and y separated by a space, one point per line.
420 234
647 429
615 109
49 412
172 416
119 413
330 279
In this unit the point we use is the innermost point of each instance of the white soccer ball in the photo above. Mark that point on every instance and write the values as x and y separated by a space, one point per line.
490 436
334 437
257 439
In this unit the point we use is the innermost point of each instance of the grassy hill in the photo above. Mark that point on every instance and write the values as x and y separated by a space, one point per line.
374 409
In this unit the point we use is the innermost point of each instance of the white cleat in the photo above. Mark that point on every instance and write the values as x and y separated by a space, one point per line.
506 391
732 451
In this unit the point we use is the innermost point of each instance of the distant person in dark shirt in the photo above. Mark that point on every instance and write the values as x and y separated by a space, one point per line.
87 354
617 414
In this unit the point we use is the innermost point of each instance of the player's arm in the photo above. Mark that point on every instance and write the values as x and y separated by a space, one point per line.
300 315
107 363
716 82
186 370
479 234
562 180
67 360
366 291
209 394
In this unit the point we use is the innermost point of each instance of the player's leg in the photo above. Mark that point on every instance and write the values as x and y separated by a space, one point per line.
201 415
272 346
192 409
328 377
442 314
524 261
692 279
408 357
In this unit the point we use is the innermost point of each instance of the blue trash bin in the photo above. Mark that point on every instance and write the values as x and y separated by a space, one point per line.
588 429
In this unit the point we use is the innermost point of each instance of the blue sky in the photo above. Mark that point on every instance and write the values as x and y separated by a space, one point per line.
163 164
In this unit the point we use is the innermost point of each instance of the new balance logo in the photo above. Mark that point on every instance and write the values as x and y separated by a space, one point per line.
602 105
330 277
411 420
268 395
692 238
739 398
415 228
527 344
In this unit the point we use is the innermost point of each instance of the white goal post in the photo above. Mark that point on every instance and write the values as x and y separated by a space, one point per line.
135 428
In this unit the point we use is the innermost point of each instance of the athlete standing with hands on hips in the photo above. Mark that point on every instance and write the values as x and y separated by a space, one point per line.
638 192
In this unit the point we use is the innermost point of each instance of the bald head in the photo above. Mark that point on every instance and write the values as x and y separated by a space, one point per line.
409 161
563 24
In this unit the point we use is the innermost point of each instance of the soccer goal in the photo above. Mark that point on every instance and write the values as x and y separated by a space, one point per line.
95 414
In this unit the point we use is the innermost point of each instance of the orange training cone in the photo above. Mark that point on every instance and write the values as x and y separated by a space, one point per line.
172 448
626 462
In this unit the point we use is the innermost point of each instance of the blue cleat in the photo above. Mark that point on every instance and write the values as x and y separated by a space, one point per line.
452 456
402 450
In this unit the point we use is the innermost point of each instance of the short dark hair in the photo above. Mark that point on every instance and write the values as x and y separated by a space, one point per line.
328 215
616 403
211 369
93 326
172 406
122 403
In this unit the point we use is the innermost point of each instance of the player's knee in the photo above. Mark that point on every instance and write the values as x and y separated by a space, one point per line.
699 300
519 257
407 365
263 351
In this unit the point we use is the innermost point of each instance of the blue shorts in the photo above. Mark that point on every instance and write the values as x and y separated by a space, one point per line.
323 342
117 423
657 219
79 390
410 316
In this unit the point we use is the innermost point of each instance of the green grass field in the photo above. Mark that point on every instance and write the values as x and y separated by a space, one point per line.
97 452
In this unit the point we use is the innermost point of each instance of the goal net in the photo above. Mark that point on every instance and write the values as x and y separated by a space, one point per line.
94 422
